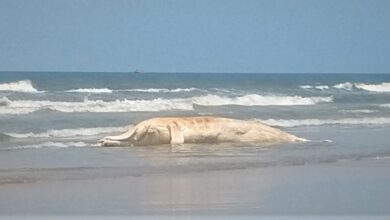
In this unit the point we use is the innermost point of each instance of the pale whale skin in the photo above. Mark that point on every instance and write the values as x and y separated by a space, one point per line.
179 130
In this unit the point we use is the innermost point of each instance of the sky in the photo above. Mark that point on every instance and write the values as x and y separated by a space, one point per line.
245 36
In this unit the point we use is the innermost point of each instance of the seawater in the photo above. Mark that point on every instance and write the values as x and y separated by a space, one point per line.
52 120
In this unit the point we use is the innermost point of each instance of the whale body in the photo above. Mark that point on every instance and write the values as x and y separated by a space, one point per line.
180 130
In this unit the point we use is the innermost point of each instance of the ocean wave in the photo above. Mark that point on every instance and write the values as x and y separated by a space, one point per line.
318 122
319 87
64 133
147 90
91 90
4 101
381 87
157 90
28 106
382 158
385 105
346 86
159 104
51 144
259 100
358 111
19 86
4 137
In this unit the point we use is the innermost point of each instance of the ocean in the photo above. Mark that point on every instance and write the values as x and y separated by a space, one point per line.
50 122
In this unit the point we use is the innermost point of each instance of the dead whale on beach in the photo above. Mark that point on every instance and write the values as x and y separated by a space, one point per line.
180 130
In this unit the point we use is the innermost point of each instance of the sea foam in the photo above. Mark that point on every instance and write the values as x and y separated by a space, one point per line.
153 105
28 106
319 87
146 90
346 86
381 87
50 144
259 100
19 86
4 101
91 90
62 133
318 122
157 90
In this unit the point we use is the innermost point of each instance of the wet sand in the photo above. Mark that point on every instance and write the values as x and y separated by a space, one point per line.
350 188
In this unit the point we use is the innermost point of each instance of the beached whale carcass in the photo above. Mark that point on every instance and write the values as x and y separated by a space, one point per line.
179 130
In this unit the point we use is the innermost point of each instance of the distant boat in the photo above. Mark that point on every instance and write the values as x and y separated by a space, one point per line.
138 71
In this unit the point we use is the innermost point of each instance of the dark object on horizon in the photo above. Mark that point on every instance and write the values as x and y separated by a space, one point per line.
138 71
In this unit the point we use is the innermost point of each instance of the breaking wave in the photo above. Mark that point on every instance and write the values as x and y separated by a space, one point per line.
157 90
258 100
381 87
91 90
28 106
159 104
149 90
318 122
346 86
4 101
63 133
319 87
19 86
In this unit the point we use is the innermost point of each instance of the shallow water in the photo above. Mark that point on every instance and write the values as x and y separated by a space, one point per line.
49 124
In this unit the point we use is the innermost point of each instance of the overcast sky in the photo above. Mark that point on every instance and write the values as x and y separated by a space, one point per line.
342 36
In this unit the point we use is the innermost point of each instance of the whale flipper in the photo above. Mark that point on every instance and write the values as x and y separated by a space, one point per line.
176 135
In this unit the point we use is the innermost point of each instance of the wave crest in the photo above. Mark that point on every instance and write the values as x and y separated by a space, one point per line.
19 86
148 90
346 86
157 90
381 87
159 104
91 90
4 101
28 106
319 87
318 122
62 133
258 100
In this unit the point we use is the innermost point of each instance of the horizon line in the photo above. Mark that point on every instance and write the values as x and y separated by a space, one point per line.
168 72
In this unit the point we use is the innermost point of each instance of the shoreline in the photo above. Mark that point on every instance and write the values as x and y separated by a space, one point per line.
259 191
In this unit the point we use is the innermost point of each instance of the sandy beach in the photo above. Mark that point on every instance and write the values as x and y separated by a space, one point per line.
324 189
